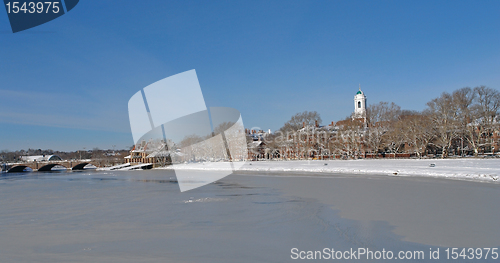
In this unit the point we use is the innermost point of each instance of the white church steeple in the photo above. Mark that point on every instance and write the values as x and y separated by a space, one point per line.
360 104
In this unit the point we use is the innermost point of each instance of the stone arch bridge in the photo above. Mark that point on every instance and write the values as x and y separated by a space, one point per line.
48 165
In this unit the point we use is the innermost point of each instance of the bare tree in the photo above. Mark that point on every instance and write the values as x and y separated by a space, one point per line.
349 138
417 130
467 115
477 112
381 118
395 138
443 112
488 105
299 119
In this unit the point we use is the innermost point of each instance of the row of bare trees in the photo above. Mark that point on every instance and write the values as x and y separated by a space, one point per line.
465 121
467 114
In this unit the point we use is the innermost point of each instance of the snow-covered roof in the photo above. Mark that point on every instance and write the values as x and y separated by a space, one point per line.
41 158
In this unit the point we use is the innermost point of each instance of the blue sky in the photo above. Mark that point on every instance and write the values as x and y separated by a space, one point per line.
65 85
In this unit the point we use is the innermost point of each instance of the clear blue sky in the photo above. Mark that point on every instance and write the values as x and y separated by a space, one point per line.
65 85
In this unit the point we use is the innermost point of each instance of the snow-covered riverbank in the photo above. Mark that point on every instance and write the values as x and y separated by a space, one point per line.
472 169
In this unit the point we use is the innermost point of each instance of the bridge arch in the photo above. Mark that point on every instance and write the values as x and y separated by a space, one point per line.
49 167
18 169
79 166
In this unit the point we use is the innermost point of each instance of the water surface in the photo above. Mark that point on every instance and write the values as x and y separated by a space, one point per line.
140 216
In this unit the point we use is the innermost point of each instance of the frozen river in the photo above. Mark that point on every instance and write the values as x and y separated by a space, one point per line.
140 216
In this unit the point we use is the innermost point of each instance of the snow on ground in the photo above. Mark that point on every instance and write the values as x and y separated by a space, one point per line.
468 169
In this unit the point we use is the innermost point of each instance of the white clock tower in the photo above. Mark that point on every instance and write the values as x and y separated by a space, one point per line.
360 105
